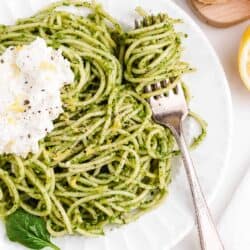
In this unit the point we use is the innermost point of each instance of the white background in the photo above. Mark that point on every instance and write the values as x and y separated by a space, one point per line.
226 42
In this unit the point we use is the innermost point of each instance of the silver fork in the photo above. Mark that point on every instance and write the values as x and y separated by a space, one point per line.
171 111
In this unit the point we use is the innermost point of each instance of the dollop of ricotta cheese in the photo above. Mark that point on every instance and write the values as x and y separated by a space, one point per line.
31 77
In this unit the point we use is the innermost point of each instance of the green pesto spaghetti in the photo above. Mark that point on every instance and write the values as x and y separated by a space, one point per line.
106 161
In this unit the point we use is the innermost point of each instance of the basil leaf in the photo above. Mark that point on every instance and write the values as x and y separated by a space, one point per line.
29 230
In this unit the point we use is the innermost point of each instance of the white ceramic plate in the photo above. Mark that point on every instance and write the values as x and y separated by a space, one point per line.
165 226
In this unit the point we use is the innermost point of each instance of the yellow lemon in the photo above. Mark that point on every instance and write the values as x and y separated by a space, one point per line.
244 58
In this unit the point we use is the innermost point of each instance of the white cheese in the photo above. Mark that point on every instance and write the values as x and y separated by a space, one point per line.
31 78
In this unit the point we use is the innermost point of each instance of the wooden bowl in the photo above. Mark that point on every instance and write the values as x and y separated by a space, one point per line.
223 14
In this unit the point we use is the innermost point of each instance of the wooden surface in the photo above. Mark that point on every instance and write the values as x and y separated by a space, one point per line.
223 15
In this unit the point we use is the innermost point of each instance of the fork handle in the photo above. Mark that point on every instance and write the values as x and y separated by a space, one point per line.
208 235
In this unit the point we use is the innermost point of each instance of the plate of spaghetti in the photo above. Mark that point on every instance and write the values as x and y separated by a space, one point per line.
82 163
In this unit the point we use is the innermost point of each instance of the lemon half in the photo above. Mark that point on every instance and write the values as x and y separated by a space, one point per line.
244 58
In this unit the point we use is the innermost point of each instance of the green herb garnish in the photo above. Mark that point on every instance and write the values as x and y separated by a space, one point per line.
29 230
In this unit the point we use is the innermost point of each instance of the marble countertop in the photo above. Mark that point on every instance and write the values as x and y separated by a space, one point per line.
225 42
